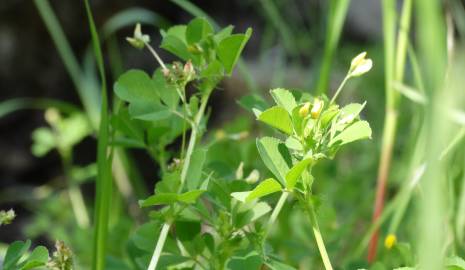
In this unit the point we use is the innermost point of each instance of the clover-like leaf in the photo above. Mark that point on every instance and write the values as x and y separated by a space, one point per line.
296 171
266 187
284 98
230 49
357 131
198 29
276 157
277 117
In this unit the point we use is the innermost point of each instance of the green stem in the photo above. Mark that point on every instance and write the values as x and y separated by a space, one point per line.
161 242
338 91
185 167
308 206
275 213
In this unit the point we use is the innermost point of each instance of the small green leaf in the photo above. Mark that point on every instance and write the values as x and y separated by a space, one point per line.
159 199
357 131
276 157
14 252
266 187
176 46
240 196
277 117
187 230
190 196
455 263
230 49
295 172
167 92
44 141
284 98
198 29
38 257
254 103
223 33
194 171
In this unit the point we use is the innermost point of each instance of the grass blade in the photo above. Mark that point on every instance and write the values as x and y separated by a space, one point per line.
104 182
337 14
89 98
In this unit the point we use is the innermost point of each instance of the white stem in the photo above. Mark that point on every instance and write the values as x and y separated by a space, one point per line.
161 242
79 207
155 54
339 89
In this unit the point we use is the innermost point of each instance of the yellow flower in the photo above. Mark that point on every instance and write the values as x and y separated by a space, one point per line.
390 241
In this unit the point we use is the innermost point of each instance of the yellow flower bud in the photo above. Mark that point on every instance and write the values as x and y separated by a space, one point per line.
390 241
304 110
317 108
360 65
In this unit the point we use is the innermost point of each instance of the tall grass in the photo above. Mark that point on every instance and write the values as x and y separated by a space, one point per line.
432 208
394 67
104 181
336 16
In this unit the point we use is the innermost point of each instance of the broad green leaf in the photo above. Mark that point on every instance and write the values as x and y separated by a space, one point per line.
176 46
357 131
211 76
352 109
284 98
276 157
159 199
149 111
129 127
136 86
14 252
230 49
194 171
190 196
295 172
266 187
293 143
38 257
277 117
169 183
254 103
73 129
198 29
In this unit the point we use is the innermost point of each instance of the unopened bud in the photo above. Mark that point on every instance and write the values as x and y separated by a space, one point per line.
317 108
138 40
240 171
6 217
189 71
360 65
52 116
304 110
253 177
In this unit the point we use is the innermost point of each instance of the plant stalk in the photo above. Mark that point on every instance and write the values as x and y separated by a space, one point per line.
161 242
190 149
395 57
275 213
308 206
